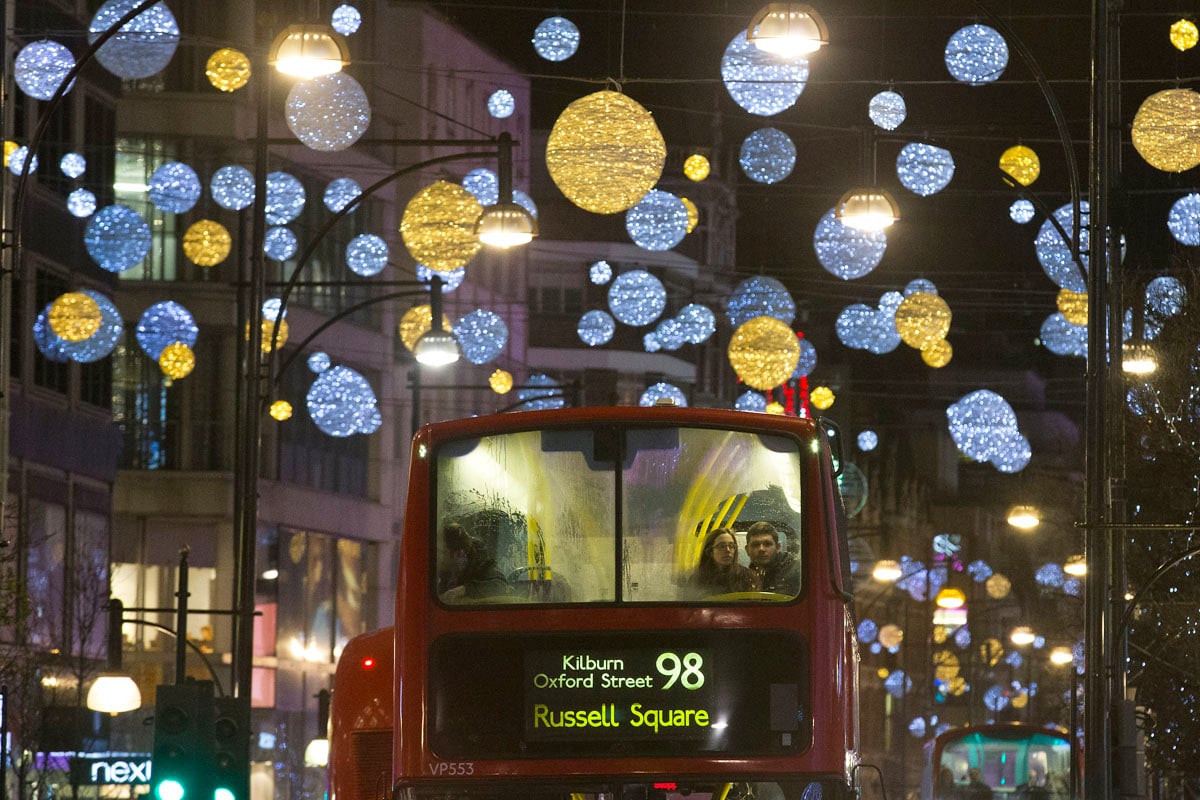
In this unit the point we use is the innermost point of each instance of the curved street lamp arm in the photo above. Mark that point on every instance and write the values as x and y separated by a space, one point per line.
1137 597
49 109
345 312
311 247
195 648
1060 124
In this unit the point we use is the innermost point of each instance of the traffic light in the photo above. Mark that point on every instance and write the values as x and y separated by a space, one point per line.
182 762
231 749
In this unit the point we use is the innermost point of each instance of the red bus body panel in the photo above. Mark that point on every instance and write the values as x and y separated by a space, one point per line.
820 617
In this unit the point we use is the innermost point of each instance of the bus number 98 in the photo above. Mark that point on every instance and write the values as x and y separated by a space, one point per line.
686 670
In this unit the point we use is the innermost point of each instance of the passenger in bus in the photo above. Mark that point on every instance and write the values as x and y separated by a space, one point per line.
719 571
976 788
773 569
467 570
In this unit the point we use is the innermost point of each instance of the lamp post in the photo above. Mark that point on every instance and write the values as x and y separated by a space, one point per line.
503 224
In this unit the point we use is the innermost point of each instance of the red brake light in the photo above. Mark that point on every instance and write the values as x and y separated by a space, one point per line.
670 786
368 663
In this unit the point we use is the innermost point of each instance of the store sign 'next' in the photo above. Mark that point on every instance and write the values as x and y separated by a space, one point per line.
128 768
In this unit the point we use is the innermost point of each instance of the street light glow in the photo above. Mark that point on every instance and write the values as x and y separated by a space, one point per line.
308 51
787 30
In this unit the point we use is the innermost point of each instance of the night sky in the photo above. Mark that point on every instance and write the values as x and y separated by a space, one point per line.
666 54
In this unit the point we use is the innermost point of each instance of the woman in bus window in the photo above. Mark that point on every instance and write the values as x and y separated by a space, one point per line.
719 571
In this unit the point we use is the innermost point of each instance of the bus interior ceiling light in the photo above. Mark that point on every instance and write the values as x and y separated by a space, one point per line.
886 570
505 225
306 51
788 30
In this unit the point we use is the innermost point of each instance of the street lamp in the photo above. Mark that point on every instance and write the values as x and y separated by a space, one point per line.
1024 517
317 752
867 208
1023 635
114 691
1137 358
887 570
788 30
307 51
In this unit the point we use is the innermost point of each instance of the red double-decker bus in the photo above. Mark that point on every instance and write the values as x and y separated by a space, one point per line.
552 639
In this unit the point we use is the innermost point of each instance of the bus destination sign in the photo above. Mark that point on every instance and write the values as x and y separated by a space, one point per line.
648 693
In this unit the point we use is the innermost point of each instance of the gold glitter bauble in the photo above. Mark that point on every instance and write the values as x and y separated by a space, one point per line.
501 381
945 666
1184 35
1020 699
937 354
74 317
1073 306
821 397
177 360
228 69
998 586
1021 164
605 152
9 149
922 318
692 212
990 651
415 322
438 226
268 325
764 352
1166 130
774 408
891 635
281 410
696 167
206 243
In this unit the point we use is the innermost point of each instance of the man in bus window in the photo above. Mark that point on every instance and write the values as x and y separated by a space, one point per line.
467 570
774 570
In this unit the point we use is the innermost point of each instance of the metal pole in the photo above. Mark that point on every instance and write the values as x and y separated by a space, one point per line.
3 742
415 418
1097 699
181 615
250 410
7 259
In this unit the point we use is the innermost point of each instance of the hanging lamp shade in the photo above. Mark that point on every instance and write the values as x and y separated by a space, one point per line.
438 226
436 348
787 29
505 225
605 152
114 693
306 51
415 322
867 208
1166 130
764 352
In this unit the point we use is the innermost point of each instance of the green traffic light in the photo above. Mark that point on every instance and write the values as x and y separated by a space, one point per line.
222 794
169 790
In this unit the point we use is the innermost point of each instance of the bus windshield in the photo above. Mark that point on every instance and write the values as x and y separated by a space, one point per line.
618 515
